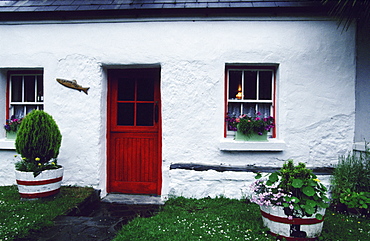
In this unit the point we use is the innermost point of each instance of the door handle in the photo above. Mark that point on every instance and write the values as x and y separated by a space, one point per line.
156 114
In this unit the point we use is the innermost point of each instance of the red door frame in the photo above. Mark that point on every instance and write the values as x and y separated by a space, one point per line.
112 126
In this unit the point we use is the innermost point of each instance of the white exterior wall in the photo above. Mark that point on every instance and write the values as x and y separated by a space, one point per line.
315 92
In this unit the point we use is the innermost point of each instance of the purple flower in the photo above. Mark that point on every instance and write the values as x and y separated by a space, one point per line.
260 133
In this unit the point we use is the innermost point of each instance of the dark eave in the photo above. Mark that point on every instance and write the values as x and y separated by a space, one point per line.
39 10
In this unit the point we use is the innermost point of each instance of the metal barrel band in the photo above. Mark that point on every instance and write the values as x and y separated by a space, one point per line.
297 221
41 182
40 194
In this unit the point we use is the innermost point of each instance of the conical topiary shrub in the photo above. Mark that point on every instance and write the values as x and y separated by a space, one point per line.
38 142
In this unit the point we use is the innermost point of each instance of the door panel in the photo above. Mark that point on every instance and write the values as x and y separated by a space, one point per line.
134 131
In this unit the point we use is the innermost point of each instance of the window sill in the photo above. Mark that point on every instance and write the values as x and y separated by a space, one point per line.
7 144
229 144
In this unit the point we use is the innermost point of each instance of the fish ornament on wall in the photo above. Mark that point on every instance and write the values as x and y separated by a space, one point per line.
73 85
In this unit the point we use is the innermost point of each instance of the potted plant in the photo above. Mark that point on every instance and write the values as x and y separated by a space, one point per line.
38 142
292 201
11 127
250 128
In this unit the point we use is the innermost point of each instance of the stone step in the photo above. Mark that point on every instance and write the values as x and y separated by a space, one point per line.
133 199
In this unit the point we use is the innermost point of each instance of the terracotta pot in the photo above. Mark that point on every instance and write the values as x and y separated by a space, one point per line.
305 228
46 184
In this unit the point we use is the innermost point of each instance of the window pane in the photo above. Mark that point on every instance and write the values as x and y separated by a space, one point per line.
235 81
40 89
250 85
145 89
18 111
233 109
144 115
125 114
249 109
29 88
265 85
265 110
30 108
16 85
126 89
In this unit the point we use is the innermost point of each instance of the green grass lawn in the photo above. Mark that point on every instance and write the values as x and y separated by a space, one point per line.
227 219
18 217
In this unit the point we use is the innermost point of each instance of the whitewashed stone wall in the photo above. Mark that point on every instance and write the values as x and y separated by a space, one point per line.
198 184
315 92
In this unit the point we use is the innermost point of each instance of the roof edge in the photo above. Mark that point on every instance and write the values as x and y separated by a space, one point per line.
161 13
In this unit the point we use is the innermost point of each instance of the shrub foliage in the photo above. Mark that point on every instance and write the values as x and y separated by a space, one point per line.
38 137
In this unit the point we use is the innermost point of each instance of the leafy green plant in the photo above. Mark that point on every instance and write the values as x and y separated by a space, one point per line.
295 188
351 176
38 142
355 200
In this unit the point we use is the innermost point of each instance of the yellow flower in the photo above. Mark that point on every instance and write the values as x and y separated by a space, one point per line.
39 164
52 163
37 159
317 180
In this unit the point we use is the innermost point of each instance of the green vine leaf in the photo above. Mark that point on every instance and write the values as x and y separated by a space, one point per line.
311 203
312 183
258 176
309 191
273 177
297 183
319 216
309 210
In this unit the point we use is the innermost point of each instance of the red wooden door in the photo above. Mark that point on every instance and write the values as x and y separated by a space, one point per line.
134 131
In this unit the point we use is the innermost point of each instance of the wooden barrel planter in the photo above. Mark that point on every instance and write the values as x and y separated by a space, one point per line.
297 229
46 184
